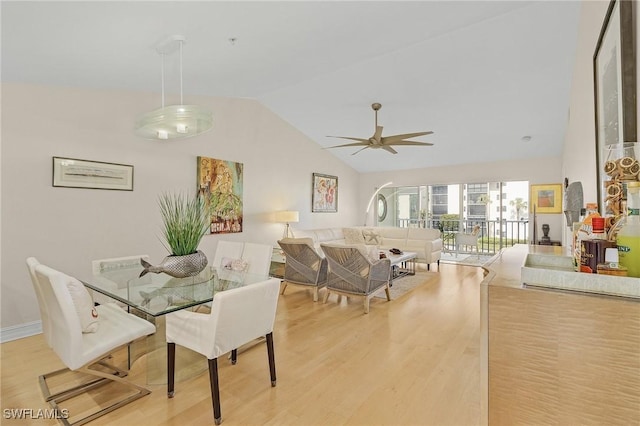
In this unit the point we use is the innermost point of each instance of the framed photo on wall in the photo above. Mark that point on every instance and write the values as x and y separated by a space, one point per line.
75 173
615 86
324 193
546 198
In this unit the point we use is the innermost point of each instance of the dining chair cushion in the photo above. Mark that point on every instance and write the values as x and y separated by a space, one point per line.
84 306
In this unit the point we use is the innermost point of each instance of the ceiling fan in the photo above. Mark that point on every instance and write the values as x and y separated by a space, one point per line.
378 141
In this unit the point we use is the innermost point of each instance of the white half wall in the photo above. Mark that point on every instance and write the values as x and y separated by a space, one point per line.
66 228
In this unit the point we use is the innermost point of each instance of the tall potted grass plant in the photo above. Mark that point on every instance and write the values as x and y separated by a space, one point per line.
185 221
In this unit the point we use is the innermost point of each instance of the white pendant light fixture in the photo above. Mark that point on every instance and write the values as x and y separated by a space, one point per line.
173 121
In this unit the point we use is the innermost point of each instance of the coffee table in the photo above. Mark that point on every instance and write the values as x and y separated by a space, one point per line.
401 264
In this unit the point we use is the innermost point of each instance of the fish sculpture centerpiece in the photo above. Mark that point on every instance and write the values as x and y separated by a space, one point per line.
188 265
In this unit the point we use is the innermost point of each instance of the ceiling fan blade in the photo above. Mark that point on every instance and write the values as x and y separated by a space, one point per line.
365 144
394 138
409 143
350 138
360 150
388 148
378 134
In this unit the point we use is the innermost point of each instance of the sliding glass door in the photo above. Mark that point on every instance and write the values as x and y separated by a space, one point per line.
500 209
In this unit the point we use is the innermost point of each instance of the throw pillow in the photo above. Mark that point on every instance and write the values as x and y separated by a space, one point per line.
372 237
352 236
85 309
368 251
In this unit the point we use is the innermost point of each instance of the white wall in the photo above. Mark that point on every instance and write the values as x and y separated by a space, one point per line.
579 157
66 228
537 171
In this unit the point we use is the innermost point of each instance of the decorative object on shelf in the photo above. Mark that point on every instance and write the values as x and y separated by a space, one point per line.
378 141
220 185
547 198
185 220
324 195
173 121
287 217
615 88
620 169
75 173
545 231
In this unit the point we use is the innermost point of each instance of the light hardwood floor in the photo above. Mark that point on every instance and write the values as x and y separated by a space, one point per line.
412 361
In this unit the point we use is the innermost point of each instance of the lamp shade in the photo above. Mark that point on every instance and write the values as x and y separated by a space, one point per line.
287 216
174 122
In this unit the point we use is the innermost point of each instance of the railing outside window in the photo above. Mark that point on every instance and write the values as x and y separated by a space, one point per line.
494 235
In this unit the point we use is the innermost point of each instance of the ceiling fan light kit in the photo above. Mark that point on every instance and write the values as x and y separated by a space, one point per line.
173 121
378 141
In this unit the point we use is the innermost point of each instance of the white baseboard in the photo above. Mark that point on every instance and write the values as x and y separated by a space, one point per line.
15 332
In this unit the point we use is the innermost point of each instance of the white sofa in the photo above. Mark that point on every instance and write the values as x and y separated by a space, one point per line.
426 242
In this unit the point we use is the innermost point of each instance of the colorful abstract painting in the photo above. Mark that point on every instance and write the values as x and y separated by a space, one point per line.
220 185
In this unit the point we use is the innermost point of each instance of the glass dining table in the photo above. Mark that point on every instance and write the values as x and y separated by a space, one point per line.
154 295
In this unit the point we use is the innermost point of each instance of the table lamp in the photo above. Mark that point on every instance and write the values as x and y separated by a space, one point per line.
287 217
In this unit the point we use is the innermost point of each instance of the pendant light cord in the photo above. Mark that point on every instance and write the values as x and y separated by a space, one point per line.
181 102
162 76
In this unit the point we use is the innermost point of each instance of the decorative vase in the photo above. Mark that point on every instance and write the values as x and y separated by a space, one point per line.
178 266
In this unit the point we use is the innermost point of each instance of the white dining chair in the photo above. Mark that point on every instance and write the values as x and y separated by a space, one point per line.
32 263
258 256
237 317
80 347
227 249
47 332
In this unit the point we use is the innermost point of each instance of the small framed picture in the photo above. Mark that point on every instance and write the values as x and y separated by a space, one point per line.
324 195
546 198
75 173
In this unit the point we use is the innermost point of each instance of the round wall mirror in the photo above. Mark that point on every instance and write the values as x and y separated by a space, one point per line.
382 207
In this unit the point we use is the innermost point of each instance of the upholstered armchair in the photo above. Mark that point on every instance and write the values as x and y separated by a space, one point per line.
303 266
353 272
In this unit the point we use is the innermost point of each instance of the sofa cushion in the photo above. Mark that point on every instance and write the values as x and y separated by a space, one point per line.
299 233
422 234
393 233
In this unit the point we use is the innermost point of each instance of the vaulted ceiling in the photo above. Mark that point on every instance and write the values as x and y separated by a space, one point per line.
481 75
